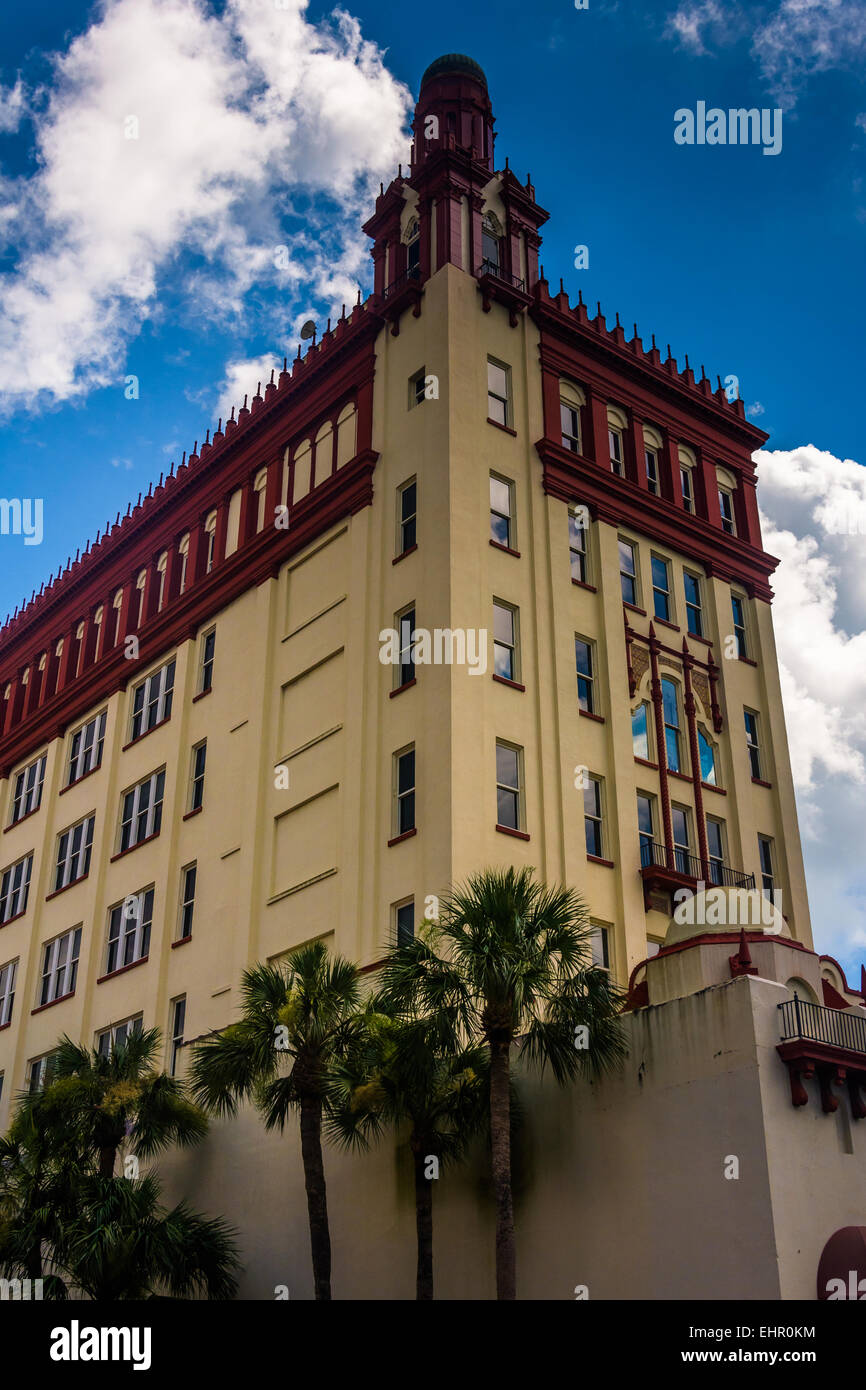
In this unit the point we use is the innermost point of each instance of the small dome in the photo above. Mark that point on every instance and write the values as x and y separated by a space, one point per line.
718 909
455 63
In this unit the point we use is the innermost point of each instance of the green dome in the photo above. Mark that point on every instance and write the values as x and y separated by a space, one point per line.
455 63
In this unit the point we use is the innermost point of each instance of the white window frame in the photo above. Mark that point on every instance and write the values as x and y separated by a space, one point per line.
504 401
72 859
403 520
86 747
8 973
15 888
508 516
175 1042
512 647
196 777
596 816
575 531
206 663
754 745
697 607
118 1033
515 790
129 928
187 901
152 811
157 692
27 795
635 577
400 796
60 966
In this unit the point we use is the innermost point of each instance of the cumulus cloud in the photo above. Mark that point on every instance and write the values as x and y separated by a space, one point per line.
12 106
242 378
179 142
692 24
803 37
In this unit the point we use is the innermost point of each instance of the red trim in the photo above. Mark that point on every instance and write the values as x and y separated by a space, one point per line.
50 1005
22 819
710 787
197 812
759 782
133 742
587 714
403 553
83 778
506 548
605 863
681 776
18 915
696 637
181 941
131 848
503 680
516 834
122 969
5 1025
66 887
506 428
848 987
633 608
747 660
579 583
662 622
400 688
645 763
201 695
407 835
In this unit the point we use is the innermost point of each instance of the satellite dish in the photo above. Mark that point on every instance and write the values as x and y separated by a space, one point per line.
309 329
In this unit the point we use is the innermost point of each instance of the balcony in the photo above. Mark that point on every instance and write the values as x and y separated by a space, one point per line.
664 871
403 293
505 288
827 1043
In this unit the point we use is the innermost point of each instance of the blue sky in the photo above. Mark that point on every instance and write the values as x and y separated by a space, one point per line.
262 123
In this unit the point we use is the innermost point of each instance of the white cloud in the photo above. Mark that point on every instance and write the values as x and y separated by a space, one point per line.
242 379
12 106
690 24
240 119
804 37
755 409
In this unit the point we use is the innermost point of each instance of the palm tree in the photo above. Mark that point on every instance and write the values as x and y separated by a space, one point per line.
37 1194
509 961
98 1101
296 1021
400 1075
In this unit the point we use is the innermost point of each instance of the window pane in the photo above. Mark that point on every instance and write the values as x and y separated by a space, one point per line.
506 765
500 496
503 624
639 735
497 380
669 703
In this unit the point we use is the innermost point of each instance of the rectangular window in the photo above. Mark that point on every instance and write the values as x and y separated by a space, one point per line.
115 1036
187 901
85 748
129 926
645 828
404 672
60 966
640 732
199 758
738 611
661 588
694 612
208 647
151 700
671 715
569 418
416 387
505 653
73 853
27 796
404 791
767 857
682 840
407 516
592 817
652 471
628 572
716 849
753 743
601 947
577 535
38 1072
404 922
498 392
584 659
15 889
178 1019
502 511
7 991
726 507
509 810
688 491
141 810
614 439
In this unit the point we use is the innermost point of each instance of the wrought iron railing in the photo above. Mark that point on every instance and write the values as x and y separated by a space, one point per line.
714 871
412 273
493 268
816 1023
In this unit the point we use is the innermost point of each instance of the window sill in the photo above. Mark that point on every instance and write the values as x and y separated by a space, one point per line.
181 941
21 819
506 548
588 714
663 622
16 918
747 661
759 782
633 608
403 553
516 834
503 680
121 854
645 762
5 1025
50 1005
400 688
407 835
140 737
197 812
683 777
605 863
66 887
77 783
711 787
122 969
696 636
506 428
582 584
201 695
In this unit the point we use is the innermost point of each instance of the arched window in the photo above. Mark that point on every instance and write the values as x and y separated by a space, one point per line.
140 583
210 541
688 473
671 711
116 604
491 244
652 445
324 452
413 249
708 759
302 471
183 552
346 434
259 489
161 567
727 485
617 424
78 652
571 403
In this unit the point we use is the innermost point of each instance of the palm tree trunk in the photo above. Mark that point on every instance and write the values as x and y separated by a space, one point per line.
424 1228
317 1202
500 1135
107 1156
